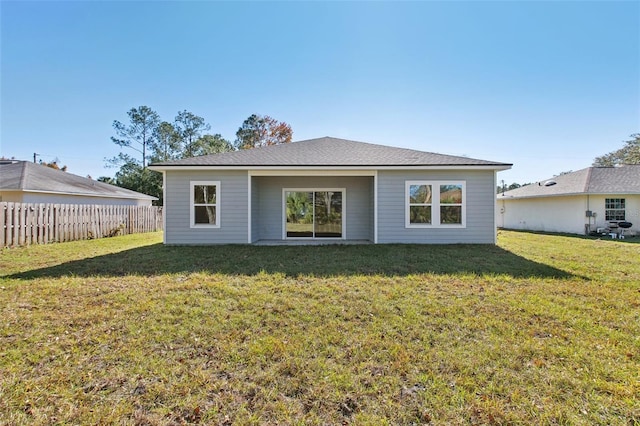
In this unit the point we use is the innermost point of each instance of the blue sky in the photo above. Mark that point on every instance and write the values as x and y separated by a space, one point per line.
545 85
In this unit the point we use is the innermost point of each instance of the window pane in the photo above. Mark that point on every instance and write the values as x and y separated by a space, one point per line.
204 194
420 214
205 215
615 208
451 215
614 203
450 194
420 194
328 210
614 214
299 210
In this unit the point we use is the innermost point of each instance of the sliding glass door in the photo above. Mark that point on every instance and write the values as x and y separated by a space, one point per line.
313 213
327 214
299 211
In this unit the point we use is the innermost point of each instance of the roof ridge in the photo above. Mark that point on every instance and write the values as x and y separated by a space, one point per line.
408 156
328 151
23 175
587 184
28 176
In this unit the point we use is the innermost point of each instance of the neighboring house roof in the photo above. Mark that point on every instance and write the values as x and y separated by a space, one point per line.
327 152
31 177
592 180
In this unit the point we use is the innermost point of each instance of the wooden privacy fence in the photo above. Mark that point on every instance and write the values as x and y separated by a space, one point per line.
23 224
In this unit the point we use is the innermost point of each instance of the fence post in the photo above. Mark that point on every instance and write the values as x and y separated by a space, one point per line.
61 225
28 217
3 223
62 211
18 225
85 222
54 226
46 226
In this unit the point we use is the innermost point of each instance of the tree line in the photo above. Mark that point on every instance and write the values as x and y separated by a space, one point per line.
149 139
153 140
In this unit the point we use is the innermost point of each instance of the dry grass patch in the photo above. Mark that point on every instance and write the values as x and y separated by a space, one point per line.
127 331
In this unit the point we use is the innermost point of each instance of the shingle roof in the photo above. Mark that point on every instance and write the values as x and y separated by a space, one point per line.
592 180
27 176
327 152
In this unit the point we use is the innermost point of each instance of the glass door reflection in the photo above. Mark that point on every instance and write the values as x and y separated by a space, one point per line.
313 214
328 214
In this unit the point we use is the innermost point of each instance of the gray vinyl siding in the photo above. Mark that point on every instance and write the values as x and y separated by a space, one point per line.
233 208
255 211
480 205
372 229
267 204
358 203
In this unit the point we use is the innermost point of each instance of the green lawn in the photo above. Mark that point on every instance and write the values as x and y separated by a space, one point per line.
542 329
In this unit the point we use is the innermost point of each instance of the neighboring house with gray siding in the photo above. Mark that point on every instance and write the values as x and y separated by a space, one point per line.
26 182
586 200
329 190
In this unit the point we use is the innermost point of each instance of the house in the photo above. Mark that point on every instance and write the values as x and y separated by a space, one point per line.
329 190
26 182
579 202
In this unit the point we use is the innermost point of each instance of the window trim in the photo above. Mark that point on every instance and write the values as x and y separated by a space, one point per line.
192 204
435 204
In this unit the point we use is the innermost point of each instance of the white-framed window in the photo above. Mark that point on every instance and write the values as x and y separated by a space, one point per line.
435 204
614 209
205 204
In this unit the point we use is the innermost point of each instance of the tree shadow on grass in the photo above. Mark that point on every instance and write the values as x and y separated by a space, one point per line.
321 261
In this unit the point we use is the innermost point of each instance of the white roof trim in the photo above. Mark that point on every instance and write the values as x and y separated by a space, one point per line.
312 167
312 172
81 194
566 194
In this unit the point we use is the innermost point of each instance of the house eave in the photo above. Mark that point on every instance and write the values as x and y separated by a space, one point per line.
568 194
496 167
522 197
80 194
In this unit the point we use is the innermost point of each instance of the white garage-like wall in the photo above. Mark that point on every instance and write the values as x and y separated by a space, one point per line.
562 213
